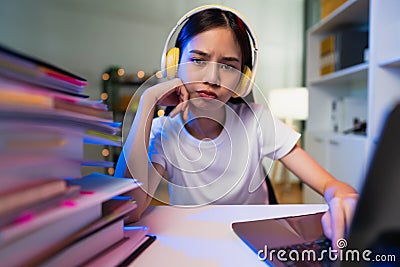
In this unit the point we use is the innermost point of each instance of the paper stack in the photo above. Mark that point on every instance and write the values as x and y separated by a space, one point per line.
49 214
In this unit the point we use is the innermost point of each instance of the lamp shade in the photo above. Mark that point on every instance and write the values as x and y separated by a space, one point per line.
289 103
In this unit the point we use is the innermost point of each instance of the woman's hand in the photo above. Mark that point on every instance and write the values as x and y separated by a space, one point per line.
336 221
171 93
341 197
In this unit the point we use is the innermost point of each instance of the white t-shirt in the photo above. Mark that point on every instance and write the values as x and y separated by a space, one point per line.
224 170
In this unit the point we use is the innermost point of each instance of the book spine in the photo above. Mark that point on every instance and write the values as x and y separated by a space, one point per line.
23 140
75 107
63 77
23 213
31 195
87 248
24 99
328 55
39 236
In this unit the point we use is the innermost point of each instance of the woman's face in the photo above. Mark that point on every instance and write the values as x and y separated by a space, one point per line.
210 66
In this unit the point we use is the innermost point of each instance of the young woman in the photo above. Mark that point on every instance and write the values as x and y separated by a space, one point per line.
209 148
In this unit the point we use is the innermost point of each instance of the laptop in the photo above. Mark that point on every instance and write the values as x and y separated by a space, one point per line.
374 235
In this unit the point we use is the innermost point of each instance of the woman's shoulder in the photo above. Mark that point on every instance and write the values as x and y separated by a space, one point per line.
165 121
158 120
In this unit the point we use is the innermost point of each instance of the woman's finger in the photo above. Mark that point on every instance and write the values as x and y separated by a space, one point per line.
338 220
184 93
350 207
183 97
168 93
185 105
327 224
186 111
177 109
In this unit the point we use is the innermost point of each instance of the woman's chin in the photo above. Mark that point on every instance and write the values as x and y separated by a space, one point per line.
206 103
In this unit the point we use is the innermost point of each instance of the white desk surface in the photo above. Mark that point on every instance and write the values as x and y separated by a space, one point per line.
203 236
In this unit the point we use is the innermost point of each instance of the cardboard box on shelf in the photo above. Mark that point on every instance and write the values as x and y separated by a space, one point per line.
328 6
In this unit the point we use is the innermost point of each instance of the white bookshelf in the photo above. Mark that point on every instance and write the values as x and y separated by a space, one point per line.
343 77
376 81
391 63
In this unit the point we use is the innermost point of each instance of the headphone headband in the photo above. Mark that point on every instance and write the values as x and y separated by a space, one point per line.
248 27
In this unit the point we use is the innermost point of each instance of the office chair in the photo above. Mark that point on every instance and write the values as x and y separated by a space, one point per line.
271 192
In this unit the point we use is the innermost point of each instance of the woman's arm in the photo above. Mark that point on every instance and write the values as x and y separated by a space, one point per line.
341 197
134 161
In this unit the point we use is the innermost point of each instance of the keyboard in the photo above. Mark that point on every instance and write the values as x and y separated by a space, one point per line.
308 254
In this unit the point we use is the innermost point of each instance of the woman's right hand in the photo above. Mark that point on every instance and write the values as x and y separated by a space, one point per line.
171 93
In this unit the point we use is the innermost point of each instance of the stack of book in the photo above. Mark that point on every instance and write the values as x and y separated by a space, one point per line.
328 6
343 48
327 55
49 213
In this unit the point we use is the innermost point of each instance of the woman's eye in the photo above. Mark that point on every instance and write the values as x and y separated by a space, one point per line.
198 61
227 67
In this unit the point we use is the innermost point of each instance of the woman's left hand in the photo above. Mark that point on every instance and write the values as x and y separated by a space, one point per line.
341 197
336 221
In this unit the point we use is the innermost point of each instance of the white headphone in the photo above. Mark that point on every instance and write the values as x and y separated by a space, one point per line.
170 57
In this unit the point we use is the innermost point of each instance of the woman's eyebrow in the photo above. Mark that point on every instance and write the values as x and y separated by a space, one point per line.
204 54
199 52
230 59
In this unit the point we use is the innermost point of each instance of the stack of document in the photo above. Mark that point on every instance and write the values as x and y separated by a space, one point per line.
43 104
49 213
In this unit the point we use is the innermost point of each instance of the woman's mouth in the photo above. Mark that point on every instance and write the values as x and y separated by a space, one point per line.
207 94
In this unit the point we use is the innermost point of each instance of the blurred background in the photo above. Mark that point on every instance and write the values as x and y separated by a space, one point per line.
87 37
93 38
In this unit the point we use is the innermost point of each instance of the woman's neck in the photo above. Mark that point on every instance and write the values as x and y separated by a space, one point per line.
204 124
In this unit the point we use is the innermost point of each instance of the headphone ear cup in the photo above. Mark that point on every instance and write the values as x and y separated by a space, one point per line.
171 62
243 88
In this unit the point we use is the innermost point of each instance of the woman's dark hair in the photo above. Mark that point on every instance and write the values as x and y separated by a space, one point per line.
216 18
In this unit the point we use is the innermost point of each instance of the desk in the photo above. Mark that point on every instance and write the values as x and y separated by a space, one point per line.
203 236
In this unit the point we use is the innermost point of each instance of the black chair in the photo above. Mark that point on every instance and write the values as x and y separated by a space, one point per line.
271 192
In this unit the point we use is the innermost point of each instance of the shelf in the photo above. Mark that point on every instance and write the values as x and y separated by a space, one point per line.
328 135
373 85
350 137
343 77
392 63
351 12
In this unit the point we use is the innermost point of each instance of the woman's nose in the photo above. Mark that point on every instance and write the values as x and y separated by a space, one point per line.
212 74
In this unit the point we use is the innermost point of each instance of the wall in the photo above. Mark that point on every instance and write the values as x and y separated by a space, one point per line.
86 37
